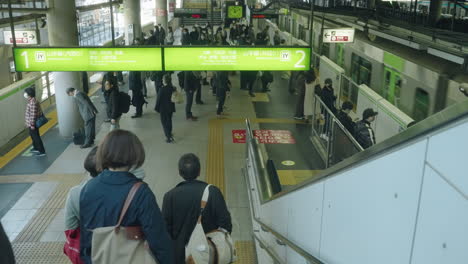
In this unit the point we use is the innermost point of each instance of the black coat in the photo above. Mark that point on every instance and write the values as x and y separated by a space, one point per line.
164 105
136 85
190 81
328 97
364 134
181 207
222 83
113 111
6 256
346 121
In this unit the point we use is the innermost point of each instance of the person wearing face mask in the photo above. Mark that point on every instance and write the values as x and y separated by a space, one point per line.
113 111
185 37
169 36
166 107
33 112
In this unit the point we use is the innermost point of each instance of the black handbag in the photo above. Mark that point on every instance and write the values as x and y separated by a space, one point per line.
41 120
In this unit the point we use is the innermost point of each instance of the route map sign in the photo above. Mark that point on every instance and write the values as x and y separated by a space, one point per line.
87 59
237 59
338 35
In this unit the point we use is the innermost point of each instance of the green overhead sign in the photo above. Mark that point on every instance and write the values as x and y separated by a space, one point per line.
236 59
88 59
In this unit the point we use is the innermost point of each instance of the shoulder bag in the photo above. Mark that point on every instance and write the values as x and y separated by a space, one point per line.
121 245
214 247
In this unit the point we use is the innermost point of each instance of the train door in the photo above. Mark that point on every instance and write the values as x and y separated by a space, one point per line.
339 53
361 70
391 86
421 105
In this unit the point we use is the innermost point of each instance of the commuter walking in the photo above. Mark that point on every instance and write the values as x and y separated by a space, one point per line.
364 133
88 113
181 207
190 86
32 113
119 151
162 34
222 84
135 84
266 78
113 111
166 107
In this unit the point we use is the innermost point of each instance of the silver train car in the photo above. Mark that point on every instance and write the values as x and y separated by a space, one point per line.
417 83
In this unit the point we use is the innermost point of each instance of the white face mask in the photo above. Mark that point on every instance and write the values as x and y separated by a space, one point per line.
25 95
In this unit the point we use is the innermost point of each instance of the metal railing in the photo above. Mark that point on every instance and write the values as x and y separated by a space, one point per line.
333 141
256 162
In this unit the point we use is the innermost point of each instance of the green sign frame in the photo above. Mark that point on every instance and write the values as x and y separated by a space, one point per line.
248 58
88 59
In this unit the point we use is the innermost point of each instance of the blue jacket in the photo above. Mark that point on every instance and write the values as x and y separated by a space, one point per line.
101 201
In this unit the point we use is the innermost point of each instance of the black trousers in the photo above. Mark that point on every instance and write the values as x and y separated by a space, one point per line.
198 94
90 131
166 121
300 102
36 140
221 100
188 105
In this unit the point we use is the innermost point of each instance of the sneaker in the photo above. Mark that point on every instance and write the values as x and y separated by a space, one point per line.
299 117
40 154
35 151
193 118
107 120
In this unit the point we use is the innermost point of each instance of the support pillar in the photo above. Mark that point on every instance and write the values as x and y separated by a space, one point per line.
172 6
132 20
435 9
161 13
63 32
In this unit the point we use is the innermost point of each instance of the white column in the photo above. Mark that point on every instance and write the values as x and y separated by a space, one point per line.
63 32
161 13
132 20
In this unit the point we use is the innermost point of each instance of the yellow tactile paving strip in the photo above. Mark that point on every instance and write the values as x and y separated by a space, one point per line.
293 177
245 252
4 160
260 97
27 247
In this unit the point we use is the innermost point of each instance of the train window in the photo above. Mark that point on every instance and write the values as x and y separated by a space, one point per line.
391 87
361 70
421 105
326 49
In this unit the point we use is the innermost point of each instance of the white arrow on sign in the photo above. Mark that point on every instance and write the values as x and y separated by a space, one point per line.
338 35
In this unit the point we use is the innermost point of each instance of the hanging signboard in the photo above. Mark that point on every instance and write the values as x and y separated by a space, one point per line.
338 35
25 37
87 59
236 59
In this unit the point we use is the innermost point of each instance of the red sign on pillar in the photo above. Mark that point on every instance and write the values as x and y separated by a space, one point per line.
161 12
265 136
172 7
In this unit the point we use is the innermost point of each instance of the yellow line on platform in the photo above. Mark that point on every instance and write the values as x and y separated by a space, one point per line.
23 145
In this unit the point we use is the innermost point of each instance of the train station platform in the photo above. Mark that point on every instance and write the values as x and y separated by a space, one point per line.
33 189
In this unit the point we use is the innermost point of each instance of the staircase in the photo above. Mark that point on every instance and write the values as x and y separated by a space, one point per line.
217 20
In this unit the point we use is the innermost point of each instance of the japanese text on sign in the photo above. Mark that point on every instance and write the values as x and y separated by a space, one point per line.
265 136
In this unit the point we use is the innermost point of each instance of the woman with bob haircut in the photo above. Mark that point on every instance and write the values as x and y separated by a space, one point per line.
102 198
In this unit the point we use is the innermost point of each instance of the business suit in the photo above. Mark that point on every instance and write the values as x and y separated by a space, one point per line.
166 108
222 87
88 113
190 86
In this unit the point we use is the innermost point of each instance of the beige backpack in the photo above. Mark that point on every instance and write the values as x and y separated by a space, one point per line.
121 245
213 247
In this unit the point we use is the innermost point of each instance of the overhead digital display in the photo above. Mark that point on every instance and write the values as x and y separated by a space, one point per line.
236 59
87 59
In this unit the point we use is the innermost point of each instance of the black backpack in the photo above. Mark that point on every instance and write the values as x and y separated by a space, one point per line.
124 102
